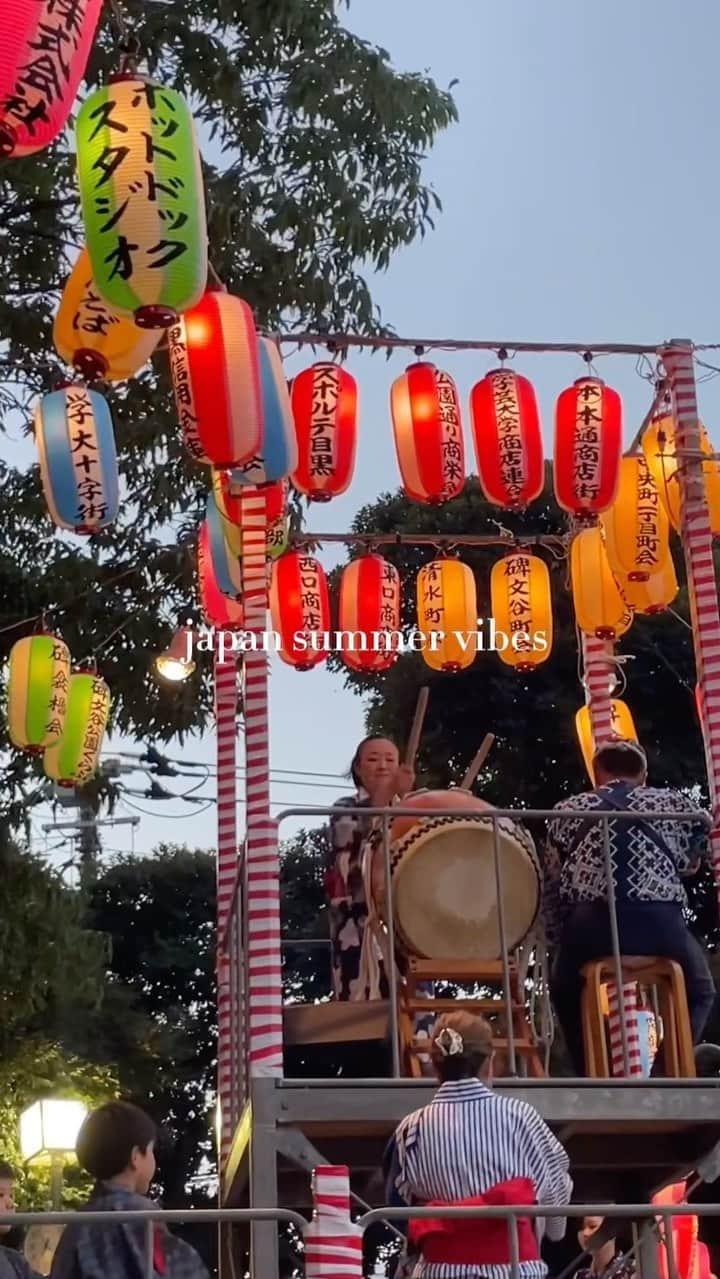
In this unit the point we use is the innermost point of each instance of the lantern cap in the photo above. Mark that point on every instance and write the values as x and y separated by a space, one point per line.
155 316
91 365
624 745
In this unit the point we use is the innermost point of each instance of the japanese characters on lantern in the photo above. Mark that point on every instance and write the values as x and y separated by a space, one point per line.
508 440
588 445
300 609
89 336
369 613
277 456
521 604
636 526
73 760
225 559
659 445
44 49
227 491
142 200
622 725
218 609
599 607
447 614
215 366
428 433
324 403
78 463
37 691
654 595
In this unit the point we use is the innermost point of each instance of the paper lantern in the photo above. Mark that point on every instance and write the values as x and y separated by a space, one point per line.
278 453
92 338
227 491
656 594
218 609
623 727
659 444
37 690
78 464
44 50
428 434
599 606
225 561
588 446
74 759
447 614
521 605
300 609
508 440
636 526
369 613
324 403
215 366
142 199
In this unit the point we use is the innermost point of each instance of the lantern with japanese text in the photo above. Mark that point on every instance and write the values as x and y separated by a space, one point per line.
44 50
447 614
428 433
622 725
218 610
37 691
225 562
521 606
588 445
277 456
142 199
215 366
300 609
636 526
92 338
599 606
227 492
74 759
659 445
508 441
369 613
656 594
78 464
324 403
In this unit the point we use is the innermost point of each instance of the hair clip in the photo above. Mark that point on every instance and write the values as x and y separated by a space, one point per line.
450 1042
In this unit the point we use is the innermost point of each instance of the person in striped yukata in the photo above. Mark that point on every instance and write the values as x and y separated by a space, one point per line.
472 1146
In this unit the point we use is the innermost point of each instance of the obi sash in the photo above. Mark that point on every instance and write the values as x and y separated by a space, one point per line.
473 1241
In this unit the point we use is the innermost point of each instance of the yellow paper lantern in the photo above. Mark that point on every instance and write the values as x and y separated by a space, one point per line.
37 691
94 339
521 605
623 726
447 614
654 595
659 444
636 526
599 607
74 759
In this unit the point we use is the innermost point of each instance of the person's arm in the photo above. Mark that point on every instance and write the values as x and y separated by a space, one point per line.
552 867
692 839
549 1165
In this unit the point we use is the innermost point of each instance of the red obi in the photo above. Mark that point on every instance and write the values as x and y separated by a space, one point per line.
473 1241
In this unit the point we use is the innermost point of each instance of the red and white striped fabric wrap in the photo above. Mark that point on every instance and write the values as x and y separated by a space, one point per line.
333 1245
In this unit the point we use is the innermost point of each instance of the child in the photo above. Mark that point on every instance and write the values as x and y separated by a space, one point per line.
12 1265
116 1145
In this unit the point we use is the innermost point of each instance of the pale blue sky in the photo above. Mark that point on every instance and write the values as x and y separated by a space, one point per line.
580 197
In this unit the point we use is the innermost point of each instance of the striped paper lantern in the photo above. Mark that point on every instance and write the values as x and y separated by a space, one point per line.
92 338
508 439
44 50
428 434
75 758
588 446
37 690
225 561
369 613
300 609
215 366
142 199
324 403
278 452
227 491
218 610
78 463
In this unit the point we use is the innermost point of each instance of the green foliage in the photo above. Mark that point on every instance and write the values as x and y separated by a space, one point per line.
306 969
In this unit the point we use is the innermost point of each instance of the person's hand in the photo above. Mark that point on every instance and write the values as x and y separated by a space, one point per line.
404 780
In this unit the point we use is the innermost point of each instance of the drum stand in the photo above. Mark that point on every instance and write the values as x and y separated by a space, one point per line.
411 1003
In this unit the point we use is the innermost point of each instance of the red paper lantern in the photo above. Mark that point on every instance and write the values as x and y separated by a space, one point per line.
228 497
215 366
508 439
300 609
369 613
219 610
588 446
428 434
324 402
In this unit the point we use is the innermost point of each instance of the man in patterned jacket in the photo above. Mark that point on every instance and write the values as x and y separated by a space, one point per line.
649 859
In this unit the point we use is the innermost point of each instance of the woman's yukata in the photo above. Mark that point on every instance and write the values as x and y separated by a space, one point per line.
345 894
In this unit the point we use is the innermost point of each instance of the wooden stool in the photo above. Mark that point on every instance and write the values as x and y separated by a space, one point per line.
411 1002
666 977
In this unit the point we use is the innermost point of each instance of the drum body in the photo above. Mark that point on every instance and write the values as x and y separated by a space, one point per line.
444 887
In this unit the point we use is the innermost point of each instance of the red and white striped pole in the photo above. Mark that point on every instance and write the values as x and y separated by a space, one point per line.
264 986
333 1245
697 544
632 1028
227 862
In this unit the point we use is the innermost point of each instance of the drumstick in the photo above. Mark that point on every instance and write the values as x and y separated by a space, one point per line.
416 730
477 762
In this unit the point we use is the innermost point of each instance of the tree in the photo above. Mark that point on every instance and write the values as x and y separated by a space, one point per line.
314 147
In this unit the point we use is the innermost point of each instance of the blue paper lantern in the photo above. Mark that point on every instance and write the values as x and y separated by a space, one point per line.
278 454
223 556
78 463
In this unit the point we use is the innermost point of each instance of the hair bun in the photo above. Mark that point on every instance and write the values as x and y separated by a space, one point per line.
450 1042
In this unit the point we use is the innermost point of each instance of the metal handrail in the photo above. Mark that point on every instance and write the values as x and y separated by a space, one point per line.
507 1212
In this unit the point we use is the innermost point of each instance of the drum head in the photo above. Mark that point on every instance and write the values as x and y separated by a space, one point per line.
445 891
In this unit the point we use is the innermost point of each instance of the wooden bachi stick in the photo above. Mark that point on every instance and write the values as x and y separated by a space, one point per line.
477 761
416 730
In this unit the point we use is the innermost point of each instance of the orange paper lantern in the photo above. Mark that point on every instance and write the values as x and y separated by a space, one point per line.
636 526
447 614
659 444
521 605
599 606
